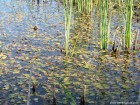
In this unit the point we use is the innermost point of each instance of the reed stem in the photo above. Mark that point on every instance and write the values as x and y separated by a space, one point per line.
128 23
68 5
103 24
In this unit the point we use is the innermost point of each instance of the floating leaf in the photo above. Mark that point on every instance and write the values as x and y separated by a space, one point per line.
3 56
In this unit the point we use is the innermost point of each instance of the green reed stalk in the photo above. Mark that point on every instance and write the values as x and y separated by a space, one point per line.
109 22
103 24
84 6
68 5
89 6
128 23
79 5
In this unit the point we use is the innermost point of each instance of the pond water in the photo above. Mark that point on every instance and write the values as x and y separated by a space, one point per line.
102 78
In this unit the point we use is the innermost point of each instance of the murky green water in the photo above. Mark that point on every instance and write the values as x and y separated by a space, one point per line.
103 78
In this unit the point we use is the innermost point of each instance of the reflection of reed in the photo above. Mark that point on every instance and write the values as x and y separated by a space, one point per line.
37 1
29 88
33 88
82 100
139 96
136 40
54 97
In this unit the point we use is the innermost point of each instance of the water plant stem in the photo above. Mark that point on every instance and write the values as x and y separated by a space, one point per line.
29 88
128 23
68 5
103 24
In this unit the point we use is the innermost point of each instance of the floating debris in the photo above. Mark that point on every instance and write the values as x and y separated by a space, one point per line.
35 28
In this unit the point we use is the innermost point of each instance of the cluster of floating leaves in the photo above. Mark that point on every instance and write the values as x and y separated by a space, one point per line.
23 48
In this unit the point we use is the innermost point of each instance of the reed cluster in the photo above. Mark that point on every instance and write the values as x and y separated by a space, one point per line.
103 9
84 6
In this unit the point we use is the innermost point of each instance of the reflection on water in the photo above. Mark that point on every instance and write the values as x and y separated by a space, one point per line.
103 78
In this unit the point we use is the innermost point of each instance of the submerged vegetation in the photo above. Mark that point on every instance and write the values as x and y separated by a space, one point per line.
69 52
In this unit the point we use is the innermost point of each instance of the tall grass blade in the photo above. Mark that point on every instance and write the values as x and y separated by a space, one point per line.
103 24
68 5
128 23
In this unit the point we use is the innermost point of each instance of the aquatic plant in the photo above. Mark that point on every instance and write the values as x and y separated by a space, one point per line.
126 8
128 23
103 24
68 5
84 6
